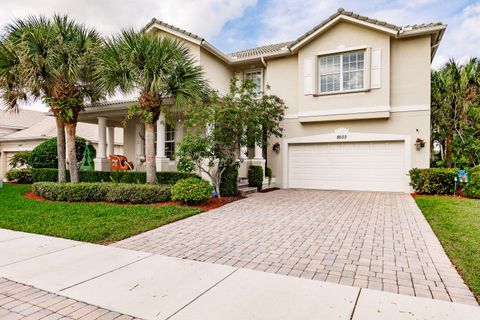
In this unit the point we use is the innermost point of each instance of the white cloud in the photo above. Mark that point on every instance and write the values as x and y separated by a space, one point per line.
205 18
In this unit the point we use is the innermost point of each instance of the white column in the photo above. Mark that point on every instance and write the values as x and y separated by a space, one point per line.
102 141
111 140
243 152
101 161
139 141
258 153
161 137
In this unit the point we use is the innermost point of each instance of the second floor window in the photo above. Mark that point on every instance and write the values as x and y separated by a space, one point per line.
256 77
169 141
341 72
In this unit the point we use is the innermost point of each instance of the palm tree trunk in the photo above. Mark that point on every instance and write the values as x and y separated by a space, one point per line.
62 170
448 150
150 153
72 153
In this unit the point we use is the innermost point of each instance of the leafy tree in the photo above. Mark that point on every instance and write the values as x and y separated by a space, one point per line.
455 103
45 154
158 68
216 130
20 159
53 60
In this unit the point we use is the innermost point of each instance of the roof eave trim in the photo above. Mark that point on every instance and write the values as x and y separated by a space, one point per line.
157 25
330 23
219 54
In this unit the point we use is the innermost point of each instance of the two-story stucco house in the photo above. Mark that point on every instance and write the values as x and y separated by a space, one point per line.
358 97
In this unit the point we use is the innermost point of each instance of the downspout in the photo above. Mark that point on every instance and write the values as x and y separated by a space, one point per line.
262 60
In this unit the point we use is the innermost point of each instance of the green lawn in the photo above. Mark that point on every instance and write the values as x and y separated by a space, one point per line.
91 222
456 222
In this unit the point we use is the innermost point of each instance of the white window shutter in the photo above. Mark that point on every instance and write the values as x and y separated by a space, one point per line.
308 76
376 68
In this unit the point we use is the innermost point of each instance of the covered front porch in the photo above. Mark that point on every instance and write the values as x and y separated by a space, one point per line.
111 114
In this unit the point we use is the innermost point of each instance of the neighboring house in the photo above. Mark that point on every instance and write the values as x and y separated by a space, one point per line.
358 97
24 130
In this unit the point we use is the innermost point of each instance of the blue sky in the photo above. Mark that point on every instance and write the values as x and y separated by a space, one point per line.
269 21
233 25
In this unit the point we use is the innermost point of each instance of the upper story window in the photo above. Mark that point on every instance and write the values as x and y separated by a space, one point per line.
256 77
341 72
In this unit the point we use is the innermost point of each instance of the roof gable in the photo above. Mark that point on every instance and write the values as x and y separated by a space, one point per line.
436 31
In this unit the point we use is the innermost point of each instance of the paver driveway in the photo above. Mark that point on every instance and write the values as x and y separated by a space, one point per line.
365 239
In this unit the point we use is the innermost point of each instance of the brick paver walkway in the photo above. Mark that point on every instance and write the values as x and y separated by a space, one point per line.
364 239
19 301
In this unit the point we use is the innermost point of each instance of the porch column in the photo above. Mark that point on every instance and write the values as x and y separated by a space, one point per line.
161 159
139 146
111 140
101 161
258 153
258 158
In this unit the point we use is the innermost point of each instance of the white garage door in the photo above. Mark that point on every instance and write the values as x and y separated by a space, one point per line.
370 166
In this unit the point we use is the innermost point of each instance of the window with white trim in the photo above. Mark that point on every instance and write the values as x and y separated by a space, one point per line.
341 72
256 77
169 141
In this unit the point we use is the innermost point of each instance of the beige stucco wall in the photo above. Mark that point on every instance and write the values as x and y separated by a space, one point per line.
193 48
399 123
216 71
405 74
343 36
410 71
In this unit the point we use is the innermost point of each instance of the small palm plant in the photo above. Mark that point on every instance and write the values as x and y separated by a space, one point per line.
156 68
53 60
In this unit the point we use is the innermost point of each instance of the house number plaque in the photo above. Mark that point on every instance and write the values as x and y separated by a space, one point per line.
341 136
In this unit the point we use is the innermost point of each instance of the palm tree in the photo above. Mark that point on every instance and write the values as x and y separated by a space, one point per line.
157 68
454 88
53 60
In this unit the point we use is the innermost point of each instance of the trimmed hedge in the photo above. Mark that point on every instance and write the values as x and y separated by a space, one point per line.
164 177
433 180
96 192
472 189
20 175
228 185
255 177
191 191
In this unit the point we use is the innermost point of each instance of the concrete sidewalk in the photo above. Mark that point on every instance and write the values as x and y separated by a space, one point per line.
152 286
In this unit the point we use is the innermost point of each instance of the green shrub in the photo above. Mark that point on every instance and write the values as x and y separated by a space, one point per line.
20 175
138 193
20 159
472 189
165 177
72 192
433 180
101 191
228 185
94 176
45 174
171 177
268 174
255 177
191 191
128 177
45 154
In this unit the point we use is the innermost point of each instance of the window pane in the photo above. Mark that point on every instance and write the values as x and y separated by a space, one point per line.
329 73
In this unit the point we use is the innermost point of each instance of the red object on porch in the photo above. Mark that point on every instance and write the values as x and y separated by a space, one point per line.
120 163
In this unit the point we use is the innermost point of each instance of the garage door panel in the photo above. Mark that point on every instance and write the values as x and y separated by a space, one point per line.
375 166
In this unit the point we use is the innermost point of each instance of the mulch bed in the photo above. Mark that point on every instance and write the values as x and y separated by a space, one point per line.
268 190
212 203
